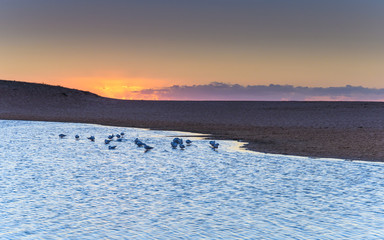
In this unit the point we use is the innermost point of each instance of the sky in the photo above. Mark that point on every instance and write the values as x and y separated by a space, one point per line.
142 49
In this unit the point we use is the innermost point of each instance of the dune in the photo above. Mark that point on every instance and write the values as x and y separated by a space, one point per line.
346 130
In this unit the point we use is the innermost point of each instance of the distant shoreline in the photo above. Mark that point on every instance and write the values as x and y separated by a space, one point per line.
345 130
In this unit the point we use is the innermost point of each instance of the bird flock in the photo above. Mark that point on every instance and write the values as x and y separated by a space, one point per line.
176 142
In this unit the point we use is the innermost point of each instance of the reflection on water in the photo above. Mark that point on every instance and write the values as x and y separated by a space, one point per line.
62 188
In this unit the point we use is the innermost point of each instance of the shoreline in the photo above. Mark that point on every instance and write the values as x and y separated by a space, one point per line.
272 146
343 130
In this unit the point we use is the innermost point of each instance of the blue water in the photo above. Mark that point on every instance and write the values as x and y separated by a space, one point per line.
52 188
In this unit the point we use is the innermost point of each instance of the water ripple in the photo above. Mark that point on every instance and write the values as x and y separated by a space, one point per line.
53 188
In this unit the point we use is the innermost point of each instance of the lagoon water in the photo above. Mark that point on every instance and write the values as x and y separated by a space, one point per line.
52 188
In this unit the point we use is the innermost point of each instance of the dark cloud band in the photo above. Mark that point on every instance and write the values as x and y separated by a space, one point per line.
222 91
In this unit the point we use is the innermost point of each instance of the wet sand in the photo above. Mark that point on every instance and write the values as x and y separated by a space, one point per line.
346 130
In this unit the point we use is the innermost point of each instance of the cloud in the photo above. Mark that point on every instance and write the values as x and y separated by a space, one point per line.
222 91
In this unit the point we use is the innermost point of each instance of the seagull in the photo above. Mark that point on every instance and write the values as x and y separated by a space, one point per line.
111 147
178 140
188 141
106 141
182 146
174 144
140 143
92 138
122 134
77 137
216 145
111 136
62 135
119 140
118 135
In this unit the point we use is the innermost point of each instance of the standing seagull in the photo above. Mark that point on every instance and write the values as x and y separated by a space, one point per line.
62 135
214 144
174 144
92 138
77 137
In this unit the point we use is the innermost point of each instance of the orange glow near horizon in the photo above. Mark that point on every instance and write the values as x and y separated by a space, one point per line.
119 88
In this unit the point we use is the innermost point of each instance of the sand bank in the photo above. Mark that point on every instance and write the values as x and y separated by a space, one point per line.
347 130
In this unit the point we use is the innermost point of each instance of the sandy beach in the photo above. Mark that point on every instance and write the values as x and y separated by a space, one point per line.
347 130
